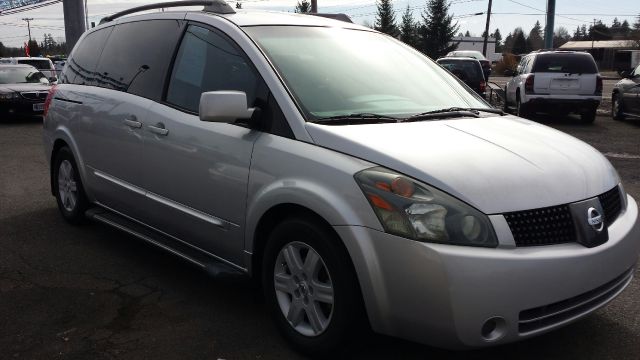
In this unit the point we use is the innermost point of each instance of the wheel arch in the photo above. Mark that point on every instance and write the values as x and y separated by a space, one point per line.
62 138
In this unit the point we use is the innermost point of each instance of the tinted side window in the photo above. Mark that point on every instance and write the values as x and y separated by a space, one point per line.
207 61
82 63
137 55
565 63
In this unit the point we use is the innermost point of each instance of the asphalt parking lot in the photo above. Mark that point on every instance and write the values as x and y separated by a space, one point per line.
91 292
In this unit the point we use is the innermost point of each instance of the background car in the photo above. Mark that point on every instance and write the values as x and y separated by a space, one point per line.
625 100
468 70
555 81
486 64
23 90
44 65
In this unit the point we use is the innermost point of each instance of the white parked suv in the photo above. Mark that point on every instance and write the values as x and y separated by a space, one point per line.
356 189
44 65
555 82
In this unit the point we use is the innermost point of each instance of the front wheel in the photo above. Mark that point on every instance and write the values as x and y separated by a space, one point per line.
67 186
617 111
310 286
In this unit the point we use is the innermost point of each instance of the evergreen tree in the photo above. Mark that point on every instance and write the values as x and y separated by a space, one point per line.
303 7
467 34
519 42
34 48
535 41
438 29
496 35
386 18
508 44
583 32
408 28
577 35
599 31
2 50
238 5
625 29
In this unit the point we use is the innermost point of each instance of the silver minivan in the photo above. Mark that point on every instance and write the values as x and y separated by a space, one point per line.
354 178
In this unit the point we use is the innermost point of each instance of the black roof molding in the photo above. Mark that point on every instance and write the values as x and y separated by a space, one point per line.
213 6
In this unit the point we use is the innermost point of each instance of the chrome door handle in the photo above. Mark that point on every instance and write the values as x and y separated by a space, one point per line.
158 129
132 122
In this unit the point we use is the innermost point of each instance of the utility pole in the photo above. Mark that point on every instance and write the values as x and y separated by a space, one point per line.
486 31
28 20
74 21
314 6
548 30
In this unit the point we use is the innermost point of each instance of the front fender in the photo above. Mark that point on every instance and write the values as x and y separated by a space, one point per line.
63 133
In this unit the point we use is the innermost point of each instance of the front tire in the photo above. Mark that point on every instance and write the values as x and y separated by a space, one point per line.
617 108
67 187
310 286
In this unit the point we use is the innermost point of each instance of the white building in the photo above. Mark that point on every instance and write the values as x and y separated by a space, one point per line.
476 43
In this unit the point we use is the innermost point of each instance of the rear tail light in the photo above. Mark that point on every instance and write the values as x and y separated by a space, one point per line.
483 86
528 85
47 102
599 85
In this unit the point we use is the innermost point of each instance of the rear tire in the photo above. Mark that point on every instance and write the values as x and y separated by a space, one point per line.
589 116
67 187
617 107
314 321
521 109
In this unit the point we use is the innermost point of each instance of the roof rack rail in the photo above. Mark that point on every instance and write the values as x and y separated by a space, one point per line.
214 6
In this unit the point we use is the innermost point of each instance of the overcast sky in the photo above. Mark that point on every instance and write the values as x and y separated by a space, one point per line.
508 14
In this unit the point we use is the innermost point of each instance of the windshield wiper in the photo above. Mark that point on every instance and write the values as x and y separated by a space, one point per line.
453 112
360 118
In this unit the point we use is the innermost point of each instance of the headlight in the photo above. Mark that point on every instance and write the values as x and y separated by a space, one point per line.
417 211
9 96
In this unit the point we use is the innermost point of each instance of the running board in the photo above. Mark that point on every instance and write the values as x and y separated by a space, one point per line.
212 266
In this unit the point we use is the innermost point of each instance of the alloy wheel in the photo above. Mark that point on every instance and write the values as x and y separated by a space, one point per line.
67 187
303 288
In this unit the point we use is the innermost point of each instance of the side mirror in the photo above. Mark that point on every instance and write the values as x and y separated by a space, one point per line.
224 106
625 74
53 79
509 72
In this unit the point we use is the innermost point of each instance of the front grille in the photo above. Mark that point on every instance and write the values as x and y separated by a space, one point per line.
35 95
545 226
611 204
542 317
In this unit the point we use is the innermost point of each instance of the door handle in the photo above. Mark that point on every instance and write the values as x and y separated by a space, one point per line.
158 129
132 122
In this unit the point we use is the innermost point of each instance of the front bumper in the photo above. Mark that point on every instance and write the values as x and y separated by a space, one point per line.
443 295
19 107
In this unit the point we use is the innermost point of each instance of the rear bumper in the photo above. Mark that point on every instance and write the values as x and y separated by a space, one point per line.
551 103
443 295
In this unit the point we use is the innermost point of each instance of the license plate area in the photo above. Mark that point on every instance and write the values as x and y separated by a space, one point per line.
38 107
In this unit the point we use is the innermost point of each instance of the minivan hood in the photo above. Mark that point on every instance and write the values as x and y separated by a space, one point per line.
497 164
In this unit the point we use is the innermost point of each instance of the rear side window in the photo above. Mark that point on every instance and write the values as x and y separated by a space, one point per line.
136 57
81 65
565 63
208 61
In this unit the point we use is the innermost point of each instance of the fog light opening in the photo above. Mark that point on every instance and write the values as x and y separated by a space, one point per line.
493 329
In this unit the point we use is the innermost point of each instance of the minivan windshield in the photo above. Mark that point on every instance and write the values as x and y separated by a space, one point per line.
333 72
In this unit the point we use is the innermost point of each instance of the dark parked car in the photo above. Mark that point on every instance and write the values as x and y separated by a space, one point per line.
486 64
468 70
23 90
624 99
